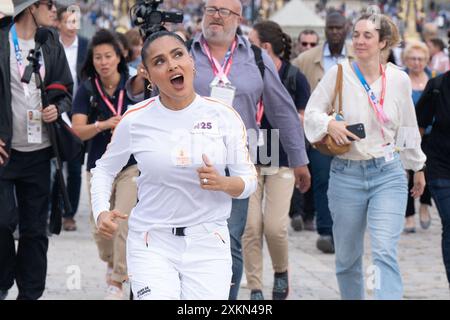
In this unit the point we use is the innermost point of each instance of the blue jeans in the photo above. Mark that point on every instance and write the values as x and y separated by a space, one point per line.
236 225
320 173
370 193
440 191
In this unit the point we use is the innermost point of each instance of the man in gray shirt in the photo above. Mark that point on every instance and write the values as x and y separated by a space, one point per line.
219 40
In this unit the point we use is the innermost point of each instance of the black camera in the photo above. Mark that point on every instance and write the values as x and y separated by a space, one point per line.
149 19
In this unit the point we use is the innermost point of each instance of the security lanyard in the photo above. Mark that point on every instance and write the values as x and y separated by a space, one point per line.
259 112
376 105
19 59
221 71
115 112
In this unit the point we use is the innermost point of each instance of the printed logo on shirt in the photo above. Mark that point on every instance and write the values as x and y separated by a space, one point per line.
143 292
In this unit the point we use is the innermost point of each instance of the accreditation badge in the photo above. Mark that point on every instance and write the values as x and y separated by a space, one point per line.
223 92
34 126
388 150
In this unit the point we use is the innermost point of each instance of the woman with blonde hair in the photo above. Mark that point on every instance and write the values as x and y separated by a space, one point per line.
415 57
368 185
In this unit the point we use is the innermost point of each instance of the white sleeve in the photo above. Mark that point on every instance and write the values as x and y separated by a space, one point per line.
316 111
412 159
108 166
238 157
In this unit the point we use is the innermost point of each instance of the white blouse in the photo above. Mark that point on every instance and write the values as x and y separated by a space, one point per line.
398 106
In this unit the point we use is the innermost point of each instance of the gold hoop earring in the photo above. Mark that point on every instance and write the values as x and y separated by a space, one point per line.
150 87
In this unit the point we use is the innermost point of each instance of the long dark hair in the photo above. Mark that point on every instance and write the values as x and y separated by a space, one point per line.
102 36
271 32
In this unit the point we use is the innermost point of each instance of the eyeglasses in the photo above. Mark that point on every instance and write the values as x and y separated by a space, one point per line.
311 44
420 59
223 12
49 3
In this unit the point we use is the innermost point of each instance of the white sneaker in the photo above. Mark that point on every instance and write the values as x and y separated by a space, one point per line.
114 293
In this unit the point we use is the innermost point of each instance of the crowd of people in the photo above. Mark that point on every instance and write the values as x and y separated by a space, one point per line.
202 141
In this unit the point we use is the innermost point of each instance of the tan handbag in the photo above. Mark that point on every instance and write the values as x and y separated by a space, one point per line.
327 145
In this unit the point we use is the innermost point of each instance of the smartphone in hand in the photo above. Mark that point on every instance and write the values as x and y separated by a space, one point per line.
358 130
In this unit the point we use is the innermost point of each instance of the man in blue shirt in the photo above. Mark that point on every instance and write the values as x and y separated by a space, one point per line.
218 40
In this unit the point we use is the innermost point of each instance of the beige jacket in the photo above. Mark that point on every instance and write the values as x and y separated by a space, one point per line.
311 64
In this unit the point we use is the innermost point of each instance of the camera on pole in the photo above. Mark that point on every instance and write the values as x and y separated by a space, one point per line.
149 19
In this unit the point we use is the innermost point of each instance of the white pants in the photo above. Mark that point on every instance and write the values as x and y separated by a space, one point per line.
196 266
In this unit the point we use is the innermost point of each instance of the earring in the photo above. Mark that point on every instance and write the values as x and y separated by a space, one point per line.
150 86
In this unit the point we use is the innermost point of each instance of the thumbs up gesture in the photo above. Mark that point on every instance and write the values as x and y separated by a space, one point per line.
210 179
107 223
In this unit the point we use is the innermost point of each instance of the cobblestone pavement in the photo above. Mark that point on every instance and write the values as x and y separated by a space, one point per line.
73 254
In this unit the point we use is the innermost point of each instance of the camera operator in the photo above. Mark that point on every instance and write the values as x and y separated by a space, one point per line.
25 150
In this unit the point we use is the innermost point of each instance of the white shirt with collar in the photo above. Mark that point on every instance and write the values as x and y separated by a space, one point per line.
72 55
329 60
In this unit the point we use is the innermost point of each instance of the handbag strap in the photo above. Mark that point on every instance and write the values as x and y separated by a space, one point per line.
338 90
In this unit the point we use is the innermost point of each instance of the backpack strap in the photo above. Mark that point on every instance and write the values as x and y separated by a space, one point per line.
259 60
289 78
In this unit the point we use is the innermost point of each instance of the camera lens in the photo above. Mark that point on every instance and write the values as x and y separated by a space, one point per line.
155 17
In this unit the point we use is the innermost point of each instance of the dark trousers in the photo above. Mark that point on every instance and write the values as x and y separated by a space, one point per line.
425 198
440 191
320 168
24 192
302 204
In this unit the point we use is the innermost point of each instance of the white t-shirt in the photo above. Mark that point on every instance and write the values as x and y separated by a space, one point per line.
398 106
20 103
168 147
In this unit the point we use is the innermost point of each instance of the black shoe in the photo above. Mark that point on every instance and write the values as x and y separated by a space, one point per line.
256 295
3 294
325 244
280 286
297 223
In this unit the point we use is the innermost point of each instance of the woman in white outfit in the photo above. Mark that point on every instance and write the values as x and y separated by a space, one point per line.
178 242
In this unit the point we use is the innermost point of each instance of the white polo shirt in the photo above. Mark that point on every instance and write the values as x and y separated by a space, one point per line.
168 147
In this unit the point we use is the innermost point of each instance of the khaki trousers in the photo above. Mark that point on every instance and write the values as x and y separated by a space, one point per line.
123 199
275 187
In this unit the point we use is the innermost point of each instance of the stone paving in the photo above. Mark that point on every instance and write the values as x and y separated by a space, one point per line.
76 272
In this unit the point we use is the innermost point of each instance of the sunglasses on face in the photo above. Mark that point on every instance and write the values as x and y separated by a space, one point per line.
223 12
311 44
49 3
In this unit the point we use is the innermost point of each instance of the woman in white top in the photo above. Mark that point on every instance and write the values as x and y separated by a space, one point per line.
178 241
368 184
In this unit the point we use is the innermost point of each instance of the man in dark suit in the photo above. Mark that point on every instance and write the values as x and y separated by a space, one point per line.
75 48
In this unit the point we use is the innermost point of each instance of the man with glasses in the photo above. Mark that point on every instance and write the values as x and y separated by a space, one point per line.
314 63
306 40
25 149
226 70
